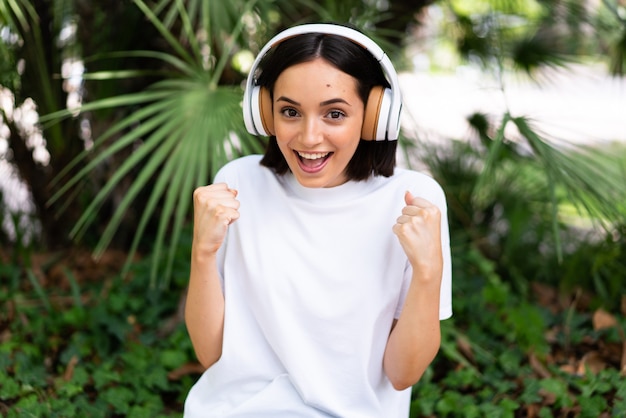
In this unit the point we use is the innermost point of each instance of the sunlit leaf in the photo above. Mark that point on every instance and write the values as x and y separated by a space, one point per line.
537 52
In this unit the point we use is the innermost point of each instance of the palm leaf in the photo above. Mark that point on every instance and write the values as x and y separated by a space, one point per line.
493 153
185 128
591 187
115 147
618 54
177 63
195 155
538 51
188 138
156 148
593 178
167 34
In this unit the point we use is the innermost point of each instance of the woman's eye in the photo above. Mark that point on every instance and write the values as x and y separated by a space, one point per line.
336 114
289 112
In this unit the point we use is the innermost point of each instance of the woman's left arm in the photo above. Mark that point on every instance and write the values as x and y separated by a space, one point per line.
416 335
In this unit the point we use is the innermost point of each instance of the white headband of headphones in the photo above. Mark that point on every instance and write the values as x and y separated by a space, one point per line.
393 120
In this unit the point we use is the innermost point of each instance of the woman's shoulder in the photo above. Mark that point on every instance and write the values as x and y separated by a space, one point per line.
241 167
417 178
419 183
247 163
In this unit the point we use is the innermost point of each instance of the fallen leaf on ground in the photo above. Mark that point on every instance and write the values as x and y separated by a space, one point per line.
465 348
185 369
603 320
538 367
592 362
69 370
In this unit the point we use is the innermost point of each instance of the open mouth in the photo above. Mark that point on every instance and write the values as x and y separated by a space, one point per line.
312 162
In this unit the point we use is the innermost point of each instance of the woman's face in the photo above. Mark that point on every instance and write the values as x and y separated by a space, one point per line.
317 119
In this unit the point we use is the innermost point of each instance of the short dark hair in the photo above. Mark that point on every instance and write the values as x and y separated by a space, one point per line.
371 157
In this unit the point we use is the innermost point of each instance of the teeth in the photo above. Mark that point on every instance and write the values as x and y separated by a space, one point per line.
313 156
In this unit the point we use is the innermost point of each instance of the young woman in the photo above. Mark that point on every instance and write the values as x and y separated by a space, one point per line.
319 273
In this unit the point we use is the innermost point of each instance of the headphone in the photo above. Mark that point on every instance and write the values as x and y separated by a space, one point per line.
382 111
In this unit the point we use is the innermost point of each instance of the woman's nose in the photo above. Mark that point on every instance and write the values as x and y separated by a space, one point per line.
312 134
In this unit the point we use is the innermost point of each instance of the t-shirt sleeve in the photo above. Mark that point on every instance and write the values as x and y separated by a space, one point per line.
445 298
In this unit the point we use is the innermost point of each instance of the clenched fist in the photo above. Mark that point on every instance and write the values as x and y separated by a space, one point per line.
215 208
419 232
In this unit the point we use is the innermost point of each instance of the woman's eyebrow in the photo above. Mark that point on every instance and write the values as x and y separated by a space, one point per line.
324 103
333 101
288 100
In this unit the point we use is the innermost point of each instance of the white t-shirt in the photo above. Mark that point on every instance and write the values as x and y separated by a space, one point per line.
312 280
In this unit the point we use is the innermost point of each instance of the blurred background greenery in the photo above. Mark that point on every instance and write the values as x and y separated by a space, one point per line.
111 113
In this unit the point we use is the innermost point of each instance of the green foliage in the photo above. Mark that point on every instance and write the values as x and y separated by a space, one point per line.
598 264
496 357
612 30
497 361
105 357
9 77
532 36
20 246
539 211
188 127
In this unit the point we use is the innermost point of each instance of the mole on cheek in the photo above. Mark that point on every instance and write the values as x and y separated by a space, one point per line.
327 85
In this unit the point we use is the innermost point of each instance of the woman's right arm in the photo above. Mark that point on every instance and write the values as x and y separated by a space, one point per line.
215 208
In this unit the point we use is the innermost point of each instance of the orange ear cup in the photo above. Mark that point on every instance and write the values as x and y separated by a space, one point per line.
265 109
372 113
